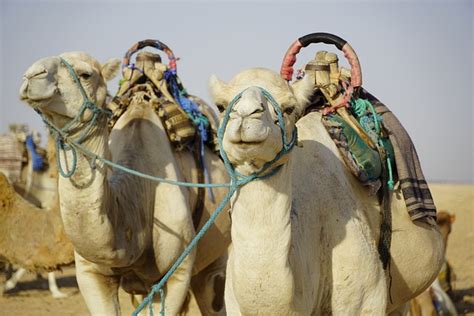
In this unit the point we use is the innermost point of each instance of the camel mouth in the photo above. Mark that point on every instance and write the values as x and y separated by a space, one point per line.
28 95
38 102
248 144
37 99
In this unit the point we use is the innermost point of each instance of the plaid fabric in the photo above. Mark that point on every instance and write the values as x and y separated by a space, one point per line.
415 190
11 157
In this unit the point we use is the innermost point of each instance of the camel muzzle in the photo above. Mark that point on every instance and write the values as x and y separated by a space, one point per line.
37 86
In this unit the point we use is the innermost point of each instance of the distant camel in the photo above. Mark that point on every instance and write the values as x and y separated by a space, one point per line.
30 237
35 202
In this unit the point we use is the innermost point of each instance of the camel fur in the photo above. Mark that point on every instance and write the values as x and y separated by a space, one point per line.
31 237
125 230
34 237
304 239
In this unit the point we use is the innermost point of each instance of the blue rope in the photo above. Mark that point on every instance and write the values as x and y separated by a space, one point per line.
36 159
192 110
64 143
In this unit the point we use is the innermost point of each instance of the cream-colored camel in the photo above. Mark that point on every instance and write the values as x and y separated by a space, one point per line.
125 230
304 239
35 192
31 237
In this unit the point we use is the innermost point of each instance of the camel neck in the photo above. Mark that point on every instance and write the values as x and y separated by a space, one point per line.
82 196
261 239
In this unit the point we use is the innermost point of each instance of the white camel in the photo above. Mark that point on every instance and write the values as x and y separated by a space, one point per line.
125 230
304 240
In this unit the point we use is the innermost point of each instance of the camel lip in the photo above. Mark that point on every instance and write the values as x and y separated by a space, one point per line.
37 103
37 99
246 144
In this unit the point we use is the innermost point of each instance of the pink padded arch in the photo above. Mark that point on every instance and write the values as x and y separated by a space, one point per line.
289 60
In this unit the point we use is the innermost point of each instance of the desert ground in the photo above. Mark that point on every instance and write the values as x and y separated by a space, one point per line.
32 297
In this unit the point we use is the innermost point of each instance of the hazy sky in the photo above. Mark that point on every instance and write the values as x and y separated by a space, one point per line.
416 57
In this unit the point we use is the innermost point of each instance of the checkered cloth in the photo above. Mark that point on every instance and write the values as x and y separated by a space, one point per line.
415 190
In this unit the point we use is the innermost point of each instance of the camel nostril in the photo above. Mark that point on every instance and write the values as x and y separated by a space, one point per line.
258 110
41 74
36 73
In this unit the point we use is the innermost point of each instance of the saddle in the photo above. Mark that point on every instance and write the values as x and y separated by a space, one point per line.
357 131
148 80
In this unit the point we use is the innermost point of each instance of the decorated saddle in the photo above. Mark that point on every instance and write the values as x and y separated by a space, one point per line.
373 143
184 117
356 129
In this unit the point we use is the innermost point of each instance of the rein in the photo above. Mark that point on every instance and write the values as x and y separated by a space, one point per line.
64 142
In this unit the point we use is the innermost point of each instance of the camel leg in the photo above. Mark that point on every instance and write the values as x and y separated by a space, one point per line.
208 288
359 288
136 300
231 304
100 291
403 310
53 287
11 283
176 289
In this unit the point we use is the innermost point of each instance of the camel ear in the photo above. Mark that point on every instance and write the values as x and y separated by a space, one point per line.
303 90
218 90
452 218
110 69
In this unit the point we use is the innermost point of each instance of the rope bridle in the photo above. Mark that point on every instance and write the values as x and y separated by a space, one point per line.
62 136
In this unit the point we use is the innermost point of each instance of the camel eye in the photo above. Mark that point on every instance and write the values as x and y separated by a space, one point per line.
289 110
220 107
85 75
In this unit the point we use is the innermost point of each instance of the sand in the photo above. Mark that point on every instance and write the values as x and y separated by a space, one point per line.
33 298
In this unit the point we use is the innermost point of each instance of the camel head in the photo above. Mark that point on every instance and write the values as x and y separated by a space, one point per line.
253 135
445 222
48 85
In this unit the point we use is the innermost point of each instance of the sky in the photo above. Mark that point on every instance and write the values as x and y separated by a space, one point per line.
416 56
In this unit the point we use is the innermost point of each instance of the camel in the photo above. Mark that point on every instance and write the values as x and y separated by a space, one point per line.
304 240
35 192
126 230
39 187
31 237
